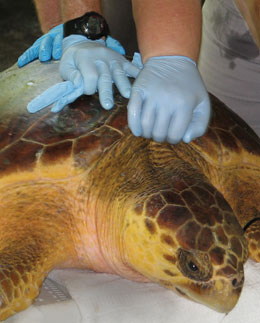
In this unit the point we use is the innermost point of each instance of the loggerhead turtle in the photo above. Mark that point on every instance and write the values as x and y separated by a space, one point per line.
77 189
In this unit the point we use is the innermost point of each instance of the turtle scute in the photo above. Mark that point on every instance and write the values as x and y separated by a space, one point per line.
77 189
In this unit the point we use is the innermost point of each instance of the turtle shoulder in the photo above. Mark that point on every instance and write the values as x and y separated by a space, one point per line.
51 145
229 140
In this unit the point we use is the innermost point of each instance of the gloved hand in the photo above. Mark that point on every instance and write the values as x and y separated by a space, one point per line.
169 101
87 66
46 47
50 46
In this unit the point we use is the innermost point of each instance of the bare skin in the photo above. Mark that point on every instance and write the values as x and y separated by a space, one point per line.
46 20
167 27
62 10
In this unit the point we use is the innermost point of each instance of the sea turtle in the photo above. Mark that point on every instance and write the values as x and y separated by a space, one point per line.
77 189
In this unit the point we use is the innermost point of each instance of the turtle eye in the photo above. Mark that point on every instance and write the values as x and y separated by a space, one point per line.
194 265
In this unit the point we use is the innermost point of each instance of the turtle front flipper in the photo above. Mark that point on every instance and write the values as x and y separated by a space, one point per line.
252 232
22 273
34 226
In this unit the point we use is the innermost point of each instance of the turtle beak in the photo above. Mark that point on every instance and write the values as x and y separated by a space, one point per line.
220 295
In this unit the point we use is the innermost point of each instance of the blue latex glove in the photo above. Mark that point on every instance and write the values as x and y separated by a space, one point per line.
50 46
169 101
46 47
115 45
87 66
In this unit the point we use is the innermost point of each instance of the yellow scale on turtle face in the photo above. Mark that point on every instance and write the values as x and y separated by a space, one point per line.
78 190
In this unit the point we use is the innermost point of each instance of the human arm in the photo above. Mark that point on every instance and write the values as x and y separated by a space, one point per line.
49 46
168 99
62 10
76 8
168 27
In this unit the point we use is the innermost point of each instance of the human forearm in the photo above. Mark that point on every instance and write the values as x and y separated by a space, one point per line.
76 8
168 27
47 20
62 10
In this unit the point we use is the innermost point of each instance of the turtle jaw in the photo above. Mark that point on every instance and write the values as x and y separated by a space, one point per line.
220 295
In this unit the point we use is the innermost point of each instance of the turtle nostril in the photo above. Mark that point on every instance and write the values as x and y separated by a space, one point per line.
234 282
237 282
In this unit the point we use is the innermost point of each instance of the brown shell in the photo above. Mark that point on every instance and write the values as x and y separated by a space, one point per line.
83 131
229 140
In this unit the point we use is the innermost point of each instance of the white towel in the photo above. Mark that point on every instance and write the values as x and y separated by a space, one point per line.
77 296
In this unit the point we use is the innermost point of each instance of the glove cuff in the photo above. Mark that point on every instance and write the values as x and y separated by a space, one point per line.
174 57
187 59
137 59
77 39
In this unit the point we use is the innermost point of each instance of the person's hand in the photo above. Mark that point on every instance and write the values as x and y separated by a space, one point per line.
169 101
46 47
49 46
87 66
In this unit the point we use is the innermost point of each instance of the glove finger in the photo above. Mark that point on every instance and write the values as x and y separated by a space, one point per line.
161 125
49 96
67 99
46 49
33 52
179 123
89 73
38 41
115 45
121 80
137 60
148 119
130 69
105 86
29 55
69 72
57 46
199 123
134 108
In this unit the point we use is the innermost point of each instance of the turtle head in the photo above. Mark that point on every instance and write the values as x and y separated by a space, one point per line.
204 282
188 240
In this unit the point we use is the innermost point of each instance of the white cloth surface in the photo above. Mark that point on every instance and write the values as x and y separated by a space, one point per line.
87 297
